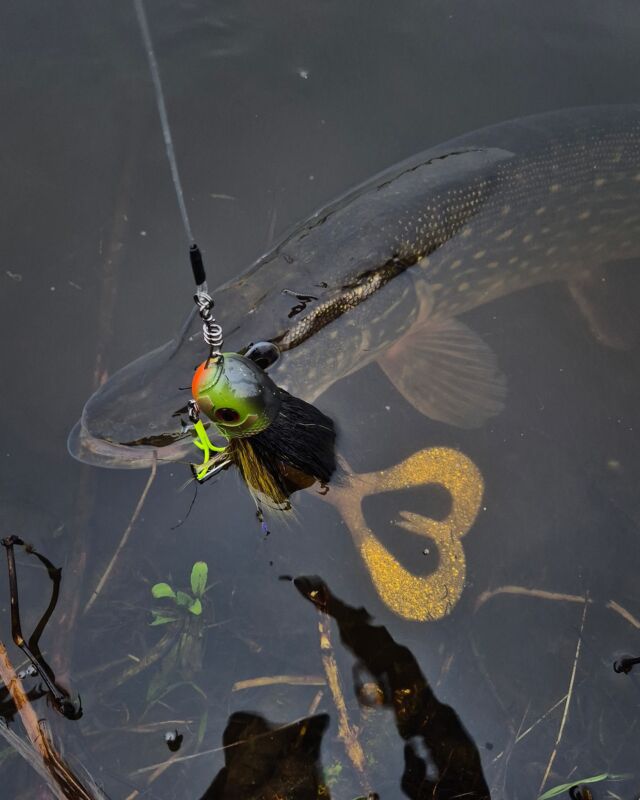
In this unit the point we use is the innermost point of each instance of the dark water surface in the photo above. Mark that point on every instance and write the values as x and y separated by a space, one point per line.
276 108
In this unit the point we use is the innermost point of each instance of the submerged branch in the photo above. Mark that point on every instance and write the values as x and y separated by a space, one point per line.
40 750
275 680
346 731
613 606
524 591
125 535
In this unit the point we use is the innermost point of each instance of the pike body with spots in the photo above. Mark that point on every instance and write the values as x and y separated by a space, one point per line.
388 271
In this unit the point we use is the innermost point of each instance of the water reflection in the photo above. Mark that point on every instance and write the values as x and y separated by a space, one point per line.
264 761
449 764
418 597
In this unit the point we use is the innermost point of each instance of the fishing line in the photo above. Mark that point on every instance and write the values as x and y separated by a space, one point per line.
164 119
276 440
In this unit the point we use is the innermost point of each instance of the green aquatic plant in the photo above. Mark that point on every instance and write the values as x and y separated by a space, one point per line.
183 660
191 603
332 773
564 787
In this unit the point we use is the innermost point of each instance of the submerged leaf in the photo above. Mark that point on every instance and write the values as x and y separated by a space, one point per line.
566 786
202 728
162 590
196 607
184 599
159 681
159 619
199 575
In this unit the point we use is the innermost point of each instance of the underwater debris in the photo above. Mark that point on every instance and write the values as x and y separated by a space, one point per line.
419 715
61 701
173 740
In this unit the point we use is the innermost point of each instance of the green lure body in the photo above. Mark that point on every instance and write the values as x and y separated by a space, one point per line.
278 442
237 396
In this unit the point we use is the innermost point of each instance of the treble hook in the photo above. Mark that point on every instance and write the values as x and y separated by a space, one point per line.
202 441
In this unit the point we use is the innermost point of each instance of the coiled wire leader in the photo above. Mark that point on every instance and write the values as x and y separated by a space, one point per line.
212 333
211 330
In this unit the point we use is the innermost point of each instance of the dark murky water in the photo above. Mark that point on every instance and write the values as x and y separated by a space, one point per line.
276 108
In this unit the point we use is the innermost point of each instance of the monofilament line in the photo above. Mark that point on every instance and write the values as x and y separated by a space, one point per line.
164 119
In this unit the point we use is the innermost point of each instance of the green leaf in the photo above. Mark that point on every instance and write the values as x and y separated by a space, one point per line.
199 575
159 619
196 607
566 786
162 590
184 599
202 728
163 674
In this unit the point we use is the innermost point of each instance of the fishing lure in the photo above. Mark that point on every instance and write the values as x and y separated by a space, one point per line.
278 442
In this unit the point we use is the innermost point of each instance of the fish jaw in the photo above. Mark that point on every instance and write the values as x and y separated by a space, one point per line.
117 429
89 449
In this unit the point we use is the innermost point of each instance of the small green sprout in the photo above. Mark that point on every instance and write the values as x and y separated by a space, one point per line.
332 773
191 602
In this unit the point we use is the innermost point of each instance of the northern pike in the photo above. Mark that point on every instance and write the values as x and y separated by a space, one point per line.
385 272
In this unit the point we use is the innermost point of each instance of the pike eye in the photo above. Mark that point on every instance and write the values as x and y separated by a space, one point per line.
264 354
226 415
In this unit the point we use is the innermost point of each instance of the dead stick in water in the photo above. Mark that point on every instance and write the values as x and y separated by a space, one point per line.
50 764
525 591
125 535
346 731
15 688
624 613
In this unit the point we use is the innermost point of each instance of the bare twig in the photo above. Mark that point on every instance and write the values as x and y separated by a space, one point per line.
161 769
42 754
565 713
540 719
274 680
212 750
20 699
315 703
125 535
312 710
623 613
346 731
524 591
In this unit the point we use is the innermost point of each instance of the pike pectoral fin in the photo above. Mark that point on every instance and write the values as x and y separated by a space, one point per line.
447 373
606 300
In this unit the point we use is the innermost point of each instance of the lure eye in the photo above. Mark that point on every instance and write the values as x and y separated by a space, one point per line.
227 416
